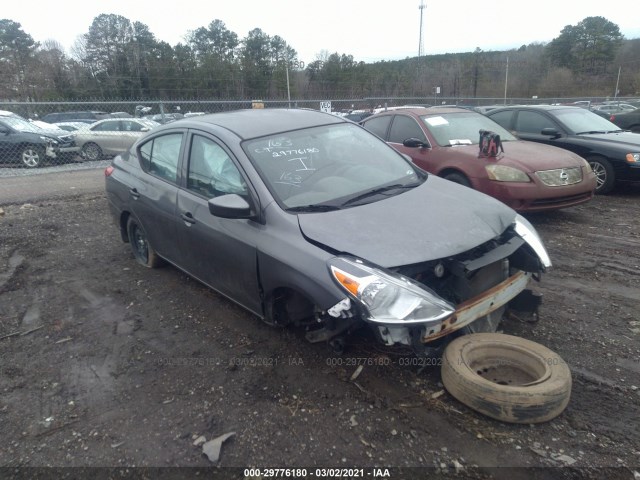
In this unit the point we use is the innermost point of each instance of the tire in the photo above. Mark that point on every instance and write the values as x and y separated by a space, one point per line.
91 151
32 156
605 176
142 251
458 178
507 378
635 128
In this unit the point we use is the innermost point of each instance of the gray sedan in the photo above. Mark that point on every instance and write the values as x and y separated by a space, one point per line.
112 136
307 219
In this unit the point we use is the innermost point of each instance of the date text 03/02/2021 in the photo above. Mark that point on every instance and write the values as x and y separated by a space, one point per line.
317 472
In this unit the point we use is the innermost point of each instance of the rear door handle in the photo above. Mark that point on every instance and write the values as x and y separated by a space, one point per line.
134 193
188 218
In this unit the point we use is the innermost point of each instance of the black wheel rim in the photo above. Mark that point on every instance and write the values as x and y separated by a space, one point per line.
140 245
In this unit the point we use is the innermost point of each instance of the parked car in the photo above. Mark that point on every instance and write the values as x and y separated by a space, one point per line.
627 120
30 145
165 117
111 137
84 116
73 126
527 176
308 219
614 155
611 108
357 116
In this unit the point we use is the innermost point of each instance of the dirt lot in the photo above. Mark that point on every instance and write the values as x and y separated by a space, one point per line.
105 363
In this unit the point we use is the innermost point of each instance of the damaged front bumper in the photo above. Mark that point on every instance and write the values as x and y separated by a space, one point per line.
479 306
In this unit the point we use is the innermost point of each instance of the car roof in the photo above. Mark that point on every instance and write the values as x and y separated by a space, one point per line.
427 111
537 107
252 123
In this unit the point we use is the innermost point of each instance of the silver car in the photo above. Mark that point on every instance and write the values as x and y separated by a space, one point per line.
307 219
111 136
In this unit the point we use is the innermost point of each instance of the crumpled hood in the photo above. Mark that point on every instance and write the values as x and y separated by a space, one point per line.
436 220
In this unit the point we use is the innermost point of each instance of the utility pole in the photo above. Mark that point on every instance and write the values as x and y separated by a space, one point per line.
422 6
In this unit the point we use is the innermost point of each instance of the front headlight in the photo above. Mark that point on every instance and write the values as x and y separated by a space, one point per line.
49 140
389 298
633 157
529 234
503 173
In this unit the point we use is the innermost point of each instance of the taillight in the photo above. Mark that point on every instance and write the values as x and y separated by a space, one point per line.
108 171
612 118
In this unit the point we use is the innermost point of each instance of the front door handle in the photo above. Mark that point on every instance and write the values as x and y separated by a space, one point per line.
134 193
188 218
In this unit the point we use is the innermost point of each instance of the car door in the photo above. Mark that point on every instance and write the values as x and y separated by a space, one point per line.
404 127
153 193
107 135
131 131
220 252
528 125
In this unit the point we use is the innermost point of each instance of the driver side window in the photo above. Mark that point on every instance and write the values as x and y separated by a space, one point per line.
211 171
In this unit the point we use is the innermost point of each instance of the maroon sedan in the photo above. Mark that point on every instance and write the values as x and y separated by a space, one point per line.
526 176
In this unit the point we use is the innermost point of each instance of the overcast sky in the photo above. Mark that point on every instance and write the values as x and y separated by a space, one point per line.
370 30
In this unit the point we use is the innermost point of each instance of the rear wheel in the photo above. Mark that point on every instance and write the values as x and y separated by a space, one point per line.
457 178
142 251
605 176
32 156
91 151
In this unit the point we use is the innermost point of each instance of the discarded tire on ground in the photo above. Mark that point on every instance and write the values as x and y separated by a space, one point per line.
507 378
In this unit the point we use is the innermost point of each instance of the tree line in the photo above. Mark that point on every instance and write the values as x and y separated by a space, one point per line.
123 60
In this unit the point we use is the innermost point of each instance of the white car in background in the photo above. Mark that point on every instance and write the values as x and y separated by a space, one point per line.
111 137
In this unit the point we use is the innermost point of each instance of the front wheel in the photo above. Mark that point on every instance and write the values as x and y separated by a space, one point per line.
458 178
605 176
142 251
32 156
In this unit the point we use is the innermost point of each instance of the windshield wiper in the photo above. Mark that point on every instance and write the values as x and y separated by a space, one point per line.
379 190
591 132
313 208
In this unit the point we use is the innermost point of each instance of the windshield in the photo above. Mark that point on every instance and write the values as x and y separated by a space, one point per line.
20 124
579 120
451 129
329 166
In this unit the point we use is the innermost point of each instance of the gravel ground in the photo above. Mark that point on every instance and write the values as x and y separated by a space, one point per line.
105 363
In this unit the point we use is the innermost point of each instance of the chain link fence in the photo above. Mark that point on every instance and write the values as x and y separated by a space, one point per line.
37 135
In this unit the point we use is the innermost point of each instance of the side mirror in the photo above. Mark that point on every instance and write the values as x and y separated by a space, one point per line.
415 143
230 206
4 131
550 132
145 129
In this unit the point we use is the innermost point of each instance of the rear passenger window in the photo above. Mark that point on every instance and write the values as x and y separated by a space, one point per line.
160 156
379 126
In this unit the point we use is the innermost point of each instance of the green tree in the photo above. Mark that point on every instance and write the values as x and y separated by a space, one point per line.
588 47
16 56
